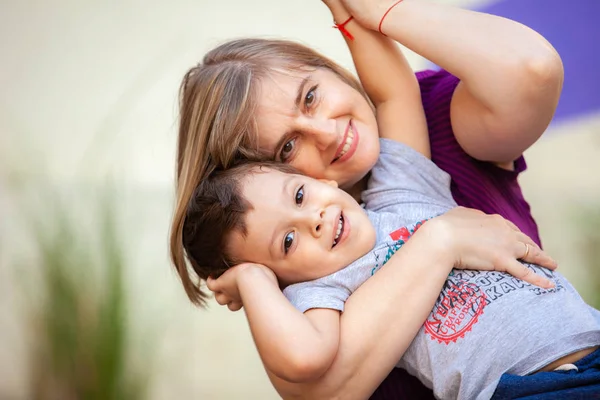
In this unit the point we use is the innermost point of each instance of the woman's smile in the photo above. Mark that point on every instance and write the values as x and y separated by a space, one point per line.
348 146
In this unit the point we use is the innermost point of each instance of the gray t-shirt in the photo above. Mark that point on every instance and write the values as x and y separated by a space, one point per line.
483 324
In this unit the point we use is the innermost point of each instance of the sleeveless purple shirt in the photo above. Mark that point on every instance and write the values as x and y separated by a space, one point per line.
475 184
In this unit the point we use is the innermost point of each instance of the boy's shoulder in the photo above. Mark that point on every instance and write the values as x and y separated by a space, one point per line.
401 166
408 155
405 181
403 154
332 291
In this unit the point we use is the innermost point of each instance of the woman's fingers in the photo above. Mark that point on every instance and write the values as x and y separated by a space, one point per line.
539 257
521 271
521 237
512 226
527 250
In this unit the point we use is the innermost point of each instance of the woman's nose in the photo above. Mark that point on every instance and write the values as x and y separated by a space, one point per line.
322 131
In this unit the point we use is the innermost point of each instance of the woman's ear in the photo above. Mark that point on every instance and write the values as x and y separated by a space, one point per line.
328 182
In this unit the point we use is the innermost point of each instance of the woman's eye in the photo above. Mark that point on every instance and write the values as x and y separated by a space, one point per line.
311 96
288 241
299 195
287 150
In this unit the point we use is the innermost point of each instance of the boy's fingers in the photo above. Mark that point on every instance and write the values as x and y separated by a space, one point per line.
211 284
222 298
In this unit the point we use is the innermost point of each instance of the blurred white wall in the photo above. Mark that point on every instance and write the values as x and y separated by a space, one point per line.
91 86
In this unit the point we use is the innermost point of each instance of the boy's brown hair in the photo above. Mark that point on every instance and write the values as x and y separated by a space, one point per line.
215 211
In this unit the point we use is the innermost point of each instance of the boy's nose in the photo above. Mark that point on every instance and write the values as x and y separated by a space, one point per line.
316 225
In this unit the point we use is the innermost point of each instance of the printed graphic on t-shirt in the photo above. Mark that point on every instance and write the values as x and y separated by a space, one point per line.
399 237
466 294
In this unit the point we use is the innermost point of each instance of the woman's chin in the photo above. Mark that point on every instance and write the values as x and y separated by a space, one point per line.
366 159
352 171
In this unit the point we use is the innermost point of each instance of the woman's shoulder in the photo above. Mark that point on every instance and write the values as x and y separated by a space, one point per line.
437 87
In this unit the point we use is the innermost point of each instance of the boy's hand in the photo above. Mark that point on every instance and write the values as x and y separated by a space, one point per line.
226 288
337 9
368 12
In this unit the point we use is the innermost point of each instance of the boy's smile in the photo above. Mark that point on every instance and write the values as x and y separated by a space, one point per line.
300 227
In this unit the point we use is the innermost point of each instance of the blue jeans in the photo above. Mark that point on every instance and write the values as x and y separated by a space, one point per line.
580 384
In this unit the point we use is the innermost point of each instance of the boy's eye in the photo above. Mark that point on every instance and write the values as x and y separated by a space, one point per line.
310 97
288 241
287 150
299 198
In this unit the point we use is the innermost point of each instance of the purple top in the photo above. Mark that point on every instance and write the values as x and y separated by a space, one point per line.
475 184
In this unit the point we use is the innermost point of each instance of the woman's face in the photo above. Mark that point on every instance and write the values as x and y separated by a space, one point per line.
318 124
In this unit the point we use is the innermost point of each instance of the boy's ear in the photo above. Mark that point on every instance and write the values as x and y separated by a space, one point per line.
330 183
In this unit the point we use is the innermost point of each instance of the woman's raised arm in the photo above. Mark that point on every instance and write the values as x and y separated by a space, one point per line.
511 77
384 315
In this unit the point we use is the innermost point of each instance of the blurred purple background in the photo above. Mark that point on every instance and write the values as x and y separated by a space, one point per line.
573 28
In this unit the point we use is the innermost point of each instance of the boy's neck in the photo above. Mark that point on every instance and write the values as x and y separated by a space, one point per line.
360 186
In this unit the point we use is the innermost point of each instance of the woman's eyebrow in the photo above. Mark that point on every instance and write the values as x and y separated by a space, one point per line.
297 102
300 90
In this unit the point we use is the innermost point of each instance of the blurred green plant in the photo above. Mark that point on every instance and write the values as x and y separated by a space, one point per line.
79 318
589 245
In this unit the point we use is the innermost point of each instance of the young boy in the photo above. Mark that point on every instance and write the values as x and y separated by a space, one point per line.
322 245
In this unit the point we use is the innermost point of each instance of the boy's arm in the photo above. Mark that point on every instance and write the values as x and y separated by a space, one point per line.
389 81
293 346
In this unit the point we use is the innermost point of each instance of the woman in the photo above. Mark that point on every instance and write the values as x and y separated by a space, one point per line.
279 100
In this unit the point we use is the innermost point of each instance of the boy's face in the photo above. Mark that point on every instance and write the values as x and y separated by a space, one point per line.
300 227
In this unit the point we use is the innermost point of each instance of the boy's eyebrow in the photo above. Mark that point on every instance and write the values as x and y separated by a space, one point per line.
284 191
284 188
275 254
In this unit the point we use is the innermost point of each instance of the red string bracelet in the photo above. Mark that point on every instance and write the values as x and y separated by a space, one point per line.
385 15
342 28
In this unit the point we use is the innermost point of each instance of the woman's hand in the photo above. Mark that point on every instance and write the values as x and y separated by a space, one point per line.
489 242
226 288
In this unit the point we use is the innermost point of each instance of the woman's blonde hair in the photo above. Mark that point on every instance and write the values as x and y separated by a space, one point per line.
218 101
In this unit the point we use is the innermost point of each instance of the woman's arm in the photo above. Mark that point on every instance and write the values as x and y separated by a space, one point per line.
293 346
511 77
383 316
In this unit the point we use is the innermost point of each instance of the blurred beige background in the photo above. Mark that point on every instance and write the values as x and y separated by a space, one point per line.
89 88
